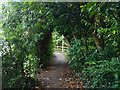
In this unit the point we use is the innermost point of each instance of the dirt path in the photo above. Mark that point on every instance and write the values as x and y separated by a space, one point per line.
58 74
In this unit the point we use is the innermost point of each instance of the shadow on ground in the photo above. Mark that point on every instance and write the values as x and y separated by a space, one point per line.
58 74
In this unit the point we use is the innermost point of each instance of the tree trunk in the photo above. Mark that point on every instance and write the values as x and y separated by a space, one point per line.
102 23
67 41
22 69
97 39
85 43
74 37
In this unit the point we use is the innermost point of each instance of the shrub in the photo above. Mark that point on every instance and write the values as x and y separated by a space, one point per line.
99 69
77 55
102 73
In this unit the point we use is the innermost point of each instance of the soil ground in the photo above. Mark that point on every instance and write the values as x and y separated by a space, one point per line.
58 74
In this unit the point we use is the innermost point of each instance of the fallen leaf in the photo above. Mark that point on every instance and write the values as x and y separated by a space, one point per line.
77 86
47 78
61 84
48 86
60 79
80 82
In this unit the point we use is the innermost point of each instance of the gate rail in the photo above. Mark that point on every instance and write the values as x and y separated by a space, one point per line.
61 48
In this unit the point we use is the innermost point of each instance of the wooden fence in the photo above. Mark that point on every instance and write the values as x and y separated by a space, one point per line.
61 48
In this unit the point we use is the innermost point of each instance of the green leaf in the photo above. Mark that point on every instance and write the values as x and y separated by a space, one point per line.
91 14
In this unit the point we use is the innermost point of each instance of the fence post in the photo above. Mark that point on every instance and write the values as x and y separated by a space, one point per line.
62 45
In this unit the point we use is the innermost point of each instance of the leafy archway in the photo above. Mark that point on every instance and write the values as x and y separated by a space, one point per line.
91 31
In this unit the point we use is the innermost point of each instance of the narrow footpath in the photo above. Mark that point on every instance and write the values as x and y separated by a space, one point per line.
58 74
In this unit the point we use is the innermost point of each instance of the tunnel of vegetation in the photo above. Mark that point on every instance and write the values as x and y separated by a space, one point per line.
91 31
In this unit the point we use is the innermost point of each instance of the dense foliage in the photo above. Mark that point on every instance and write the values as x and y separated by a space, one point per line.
100 69
97 57
91 31
28 43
